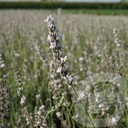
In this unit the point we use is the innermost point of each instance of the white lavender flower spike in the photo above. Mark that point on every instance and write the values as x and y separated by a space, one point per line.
47 20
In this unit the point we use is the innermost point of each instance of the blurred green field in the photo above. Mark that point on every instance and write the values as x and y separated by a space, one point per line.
87 40
98 11
104 12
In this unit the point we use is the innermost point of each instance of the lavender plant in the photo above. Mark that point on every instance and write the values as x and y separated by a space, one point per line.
59 76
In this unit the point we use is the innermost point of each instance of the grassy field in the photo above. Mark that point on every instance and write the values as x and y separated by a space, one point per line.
33 90
98 11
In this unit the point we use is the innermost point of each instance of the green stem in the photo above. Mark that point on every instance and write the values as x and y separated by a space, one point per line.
86 112
51 120
28 117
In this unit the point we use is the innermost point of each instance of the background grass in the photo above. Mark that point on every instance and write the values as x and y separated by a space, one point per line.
97 11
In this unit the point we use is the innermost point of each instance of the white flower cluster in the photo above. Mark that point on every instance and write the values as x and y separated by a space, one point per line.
113 121
117 39
41 121
81 96
101 103
53 36
54 40
19 84
22 101
2 64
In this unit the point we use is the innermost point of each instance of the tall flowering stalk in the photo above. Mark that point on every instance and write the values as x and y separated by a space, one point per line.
55 45
59 75
24 111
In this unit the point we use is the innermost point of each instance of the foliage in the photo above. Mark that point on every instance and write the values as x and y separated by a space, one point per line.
63 5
